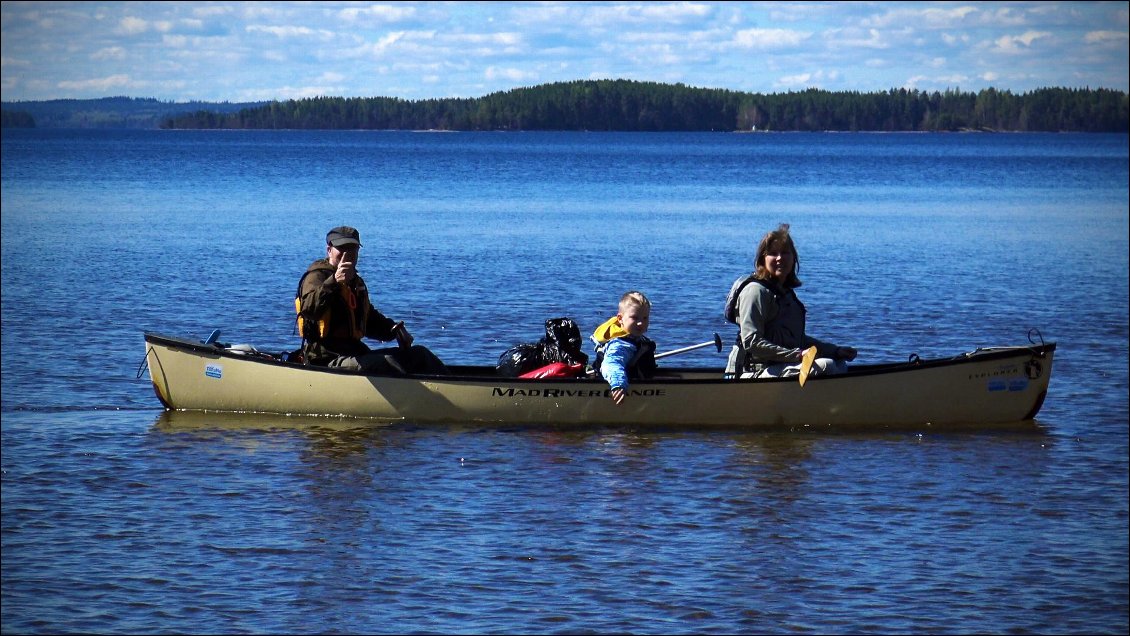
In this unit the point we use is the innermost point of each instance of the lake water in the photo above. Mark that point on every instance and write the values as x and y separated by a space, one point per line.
121 518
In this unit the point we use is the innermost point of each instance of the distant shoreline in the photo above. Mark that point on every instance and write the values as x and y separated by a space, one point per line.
614 106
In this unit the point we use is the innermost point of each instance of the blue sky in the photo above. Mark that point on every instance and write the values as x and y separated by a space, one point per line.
251 51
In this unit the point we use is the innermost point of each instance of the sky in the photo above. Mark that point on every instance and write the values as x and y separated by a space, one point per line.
257 51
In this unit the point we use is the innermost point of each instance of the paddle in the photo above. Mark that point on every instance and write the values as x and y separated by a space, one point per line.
717 342
806 363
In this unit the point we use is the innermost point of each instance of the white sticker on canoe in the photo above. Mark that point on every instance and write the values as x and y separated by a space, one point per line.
214 371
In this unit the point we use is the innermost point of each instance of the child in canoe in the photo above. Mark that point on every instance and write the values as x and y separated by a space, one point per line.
622 349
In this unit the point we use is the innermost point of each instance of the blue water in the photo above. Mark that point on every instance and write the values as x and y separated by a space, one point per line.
120 518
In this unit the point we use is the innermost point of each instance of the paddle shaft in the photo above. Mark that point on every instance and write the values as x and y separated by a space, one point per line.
717 342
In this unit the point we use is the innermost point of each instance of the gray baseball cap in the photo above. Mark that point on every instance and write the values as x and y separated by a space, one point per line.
343 236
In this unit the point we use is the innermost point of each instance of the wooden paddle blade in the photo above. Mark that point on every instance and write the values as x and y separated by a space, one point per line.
806 364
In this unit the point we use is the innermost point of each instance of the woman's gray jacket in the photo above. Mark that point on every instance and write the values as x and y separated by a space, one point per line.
771 322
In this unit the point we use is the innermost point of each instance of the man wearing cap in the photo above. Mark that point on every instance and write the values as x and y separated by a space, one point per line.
334 314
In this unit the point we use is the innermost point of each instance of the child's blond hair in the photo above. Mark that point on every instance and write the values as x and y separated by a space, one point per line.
633 299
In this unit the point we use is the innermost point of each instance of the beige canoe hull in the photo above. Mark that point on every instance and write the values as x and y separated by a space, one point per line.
988 386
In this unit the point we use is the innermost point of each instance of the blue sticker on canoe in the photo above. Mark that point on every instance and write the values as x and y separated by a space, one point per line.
214 371
1018 384
997 385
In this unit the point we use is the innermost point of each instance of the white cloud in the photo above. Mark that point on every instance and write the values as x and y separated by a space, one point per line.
1012 44
288 31
610 16
386 44
109 53
951 81
1004 16
1093 37
209 11
872 39
806 80
130 25
380 12
926 18
510 74
655 54
503 39
101 84
800 80
11 62
675 11
767 39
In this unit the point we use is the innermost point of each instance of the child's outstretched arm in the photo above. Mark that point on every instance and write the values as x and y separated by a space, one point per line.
614 367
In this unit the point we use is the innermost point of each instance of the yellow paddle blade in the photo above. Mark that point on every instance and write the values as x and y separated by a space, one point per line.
806 363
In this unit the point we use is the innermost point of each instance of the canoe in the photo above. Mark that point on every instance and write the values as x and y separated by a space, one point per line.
991 386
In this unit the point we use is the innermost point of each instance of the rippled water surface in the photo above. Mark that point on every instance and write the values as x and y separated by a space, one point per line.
121 518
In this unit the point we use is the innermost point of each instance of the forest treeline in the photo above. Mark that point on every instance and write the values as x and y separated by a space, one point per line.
625 105
621 105
16 119
105 112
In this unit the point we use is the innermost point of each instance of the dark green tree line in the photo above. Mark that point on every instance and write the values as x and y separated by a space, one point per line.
624 105
16 119
113 112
